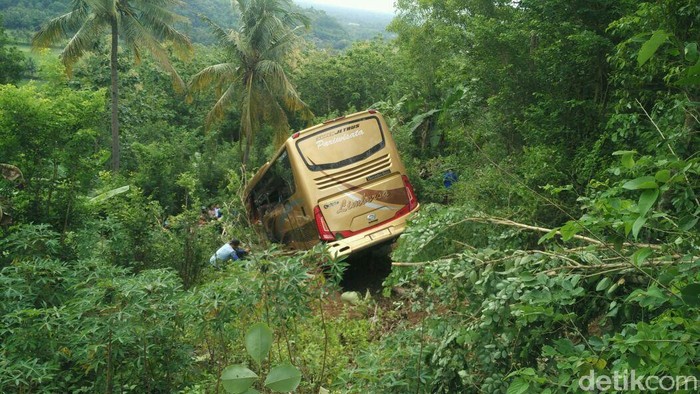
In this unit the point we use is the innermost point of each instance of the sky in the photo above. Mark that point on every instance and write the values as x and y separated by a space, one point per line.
386 6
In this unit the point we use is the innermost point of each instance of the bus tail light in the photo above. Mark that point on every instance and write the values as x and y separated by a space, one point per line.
412 200
323 230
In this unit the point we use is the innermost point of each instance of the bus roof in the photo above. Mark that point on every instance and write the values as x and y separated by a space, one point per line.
329 121
262 170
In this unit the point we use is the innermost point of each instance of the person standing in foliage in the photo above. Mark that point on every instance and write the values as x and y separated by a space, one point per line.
449 178
231 250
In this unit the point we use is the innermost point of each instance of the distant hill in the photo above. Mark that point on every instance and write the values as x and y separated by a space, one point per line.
331 27
359 24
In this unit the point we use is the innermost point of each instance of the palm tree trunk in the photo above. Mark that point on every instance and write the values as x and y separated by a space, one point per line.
246 154
115 98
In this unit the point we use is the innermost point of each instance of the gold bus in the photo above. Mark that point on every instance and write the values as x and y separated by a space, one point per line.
340 182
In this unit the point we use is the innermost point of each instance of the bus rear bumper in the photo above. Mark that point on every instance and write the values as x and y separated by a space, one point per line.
365 240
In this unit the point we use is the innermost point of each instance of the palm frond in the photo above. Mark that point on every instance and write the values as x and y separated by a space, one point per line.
272 73
228 39
295 17
266 30
282 42
159 23
82 41
58 28
216 75
279 86
219 109
102 7
137 36
160 11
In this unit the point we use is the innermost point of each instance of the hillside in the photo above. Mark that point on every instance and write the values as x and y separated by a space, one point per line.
331 27
359 24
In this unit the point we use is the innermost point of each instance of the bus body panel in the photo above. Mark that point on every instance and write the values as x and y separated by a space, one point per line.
366 205
288 224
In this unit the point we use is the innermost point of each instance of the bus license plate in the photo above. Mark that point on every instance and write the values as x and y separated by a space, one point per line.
380 234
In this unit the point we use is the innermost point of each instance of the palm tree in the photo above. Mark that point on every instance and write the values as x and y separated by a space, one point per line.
141 25
254 78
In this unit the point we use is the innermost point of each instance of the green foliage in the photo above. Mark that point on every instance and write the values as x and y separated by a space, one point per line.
91 322
51 134
281 378
11 59
138 25
258 341
551 315
253 78
102 327
30 240
30 14
663 204
578 117
357 78
24 17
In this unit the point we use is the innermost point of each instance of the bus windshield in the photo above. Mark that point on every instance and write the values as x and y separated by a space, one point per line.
341 144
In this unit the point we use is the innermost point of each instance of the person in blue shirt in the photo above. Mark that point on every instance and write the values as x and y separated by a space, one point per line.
449 178
229 251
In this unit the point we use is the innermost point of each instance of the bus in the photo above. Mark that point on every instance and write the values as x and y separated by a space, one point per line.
340 182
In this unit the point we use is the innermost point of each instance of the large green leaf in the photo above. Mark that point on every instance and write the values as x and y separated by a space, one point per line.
651 298
637 226
644 182
651 46
647 200
283 378
687 222
627 157
570 229
258 341
641 255
237 379
691 52
109 194
691 294
663 176
418 120
692 76
519 386
603 284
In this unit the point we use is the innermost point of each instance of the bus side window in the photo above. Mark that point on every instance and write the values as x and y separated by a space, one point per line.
282 178
274 189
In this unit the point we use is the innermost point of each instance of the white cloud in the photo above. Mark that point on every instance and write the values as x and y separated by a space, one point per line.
386 6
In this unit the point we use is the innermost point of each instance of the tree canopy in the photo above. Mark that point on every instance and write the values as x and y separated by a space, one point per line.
255 79
142 25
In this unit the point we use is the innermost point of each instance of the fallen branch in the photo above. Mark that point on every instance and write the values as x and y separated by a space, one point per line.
609 267
511 223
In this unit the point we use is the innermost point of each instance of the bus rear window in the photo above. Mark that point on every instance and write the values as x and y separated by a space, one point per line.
341 144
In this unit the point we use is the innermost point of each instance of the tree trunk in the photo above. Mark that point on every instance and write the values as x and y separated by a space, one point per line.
115 98
246 154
